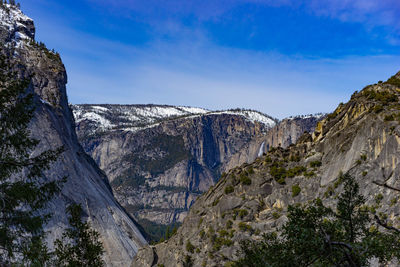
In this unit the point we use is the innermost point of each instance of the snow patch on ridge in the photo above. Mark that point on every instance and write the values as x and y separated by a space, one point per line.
138 117
316 115
15 22
251 115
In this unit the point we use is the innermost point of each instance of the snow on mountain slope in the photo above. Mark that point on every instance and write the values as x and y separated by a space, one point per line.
138 117
17 25
251 115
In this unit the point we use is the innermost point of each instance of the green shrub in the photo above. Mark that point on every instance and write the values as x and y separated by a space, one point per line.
243 213
239 212
364 173
295 190
315 164
229 189
281 181
277 172
231 233
250 170
244 179
394 81
389 117
188 261
332 115
363 157
189 247
215 202
229 224
385 97
312 233
378 198
329 191
223 233
295 158
309 174
378 108
202 233
220 241
244 227
295 171
276 215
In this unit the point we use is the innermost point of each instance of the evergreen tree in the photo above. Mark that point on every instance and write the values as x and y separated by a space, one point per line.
316 235
79 246
23 191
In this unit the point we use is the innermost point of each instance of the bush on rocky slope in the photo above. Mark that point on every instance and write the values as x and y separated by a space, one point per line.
316 235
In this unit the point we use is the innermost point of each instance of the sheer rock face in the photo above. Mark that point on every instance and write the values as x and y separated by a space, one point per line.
175 152
285 133
361 137
158 166
54 126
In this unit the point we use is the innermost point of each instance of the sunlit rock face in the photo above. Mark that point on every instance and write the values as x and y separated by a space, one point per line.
361 137
159 159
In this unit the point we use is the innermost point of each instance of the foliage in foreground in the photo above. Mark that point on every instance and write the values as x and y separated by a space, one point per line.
316 235
80 245
23 191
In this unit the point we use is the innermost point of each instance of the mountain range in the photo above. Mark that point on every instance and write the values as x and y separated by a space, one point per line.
221 176
159 159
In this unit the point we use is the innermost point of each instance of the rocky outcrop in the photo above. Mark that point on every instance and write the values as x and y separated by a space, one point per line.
361 137
54 126
283 134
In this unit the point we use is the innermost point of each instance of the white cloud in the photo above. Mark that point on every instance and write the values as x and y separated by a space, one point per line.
194 71
213 77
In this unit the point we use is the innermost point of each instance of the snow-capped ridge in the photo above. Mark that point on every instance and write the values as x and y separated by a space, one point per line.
20 27
315 115
138 117
252 115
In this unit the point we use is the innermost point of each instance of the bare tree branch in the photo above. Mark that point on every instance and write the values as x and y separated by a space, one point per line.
385 225
386 185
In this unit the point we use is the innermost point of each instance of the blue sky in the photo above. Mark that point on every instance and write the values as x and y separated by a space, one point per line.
282 57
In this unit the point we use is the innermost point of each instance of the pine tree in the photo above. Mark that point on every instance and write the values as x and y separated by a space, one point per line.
23 191
316 235
79 245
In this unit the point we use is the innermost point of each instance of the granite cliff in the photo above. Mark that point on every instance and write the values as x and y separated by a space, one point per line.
159 159
361 137
54 126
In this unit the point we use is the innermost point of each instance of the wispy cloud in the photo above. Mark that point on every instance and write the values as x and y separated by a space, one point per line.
181 64
372 12
209 76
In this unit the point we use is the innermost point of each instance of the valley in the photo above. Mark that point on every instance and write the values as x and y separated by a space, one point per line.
159 159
